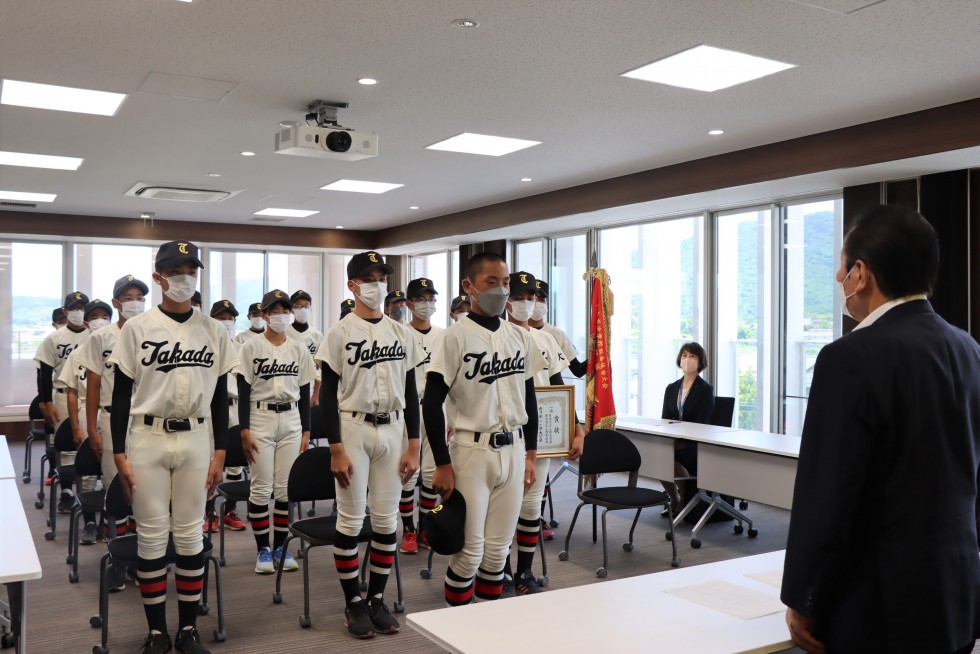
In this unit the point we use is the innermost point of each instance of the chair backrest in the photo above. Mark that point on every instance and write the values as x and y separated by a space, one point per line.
721 415
310 477
64 440
34 410
115 501
234 452
318 427
607 450
86 462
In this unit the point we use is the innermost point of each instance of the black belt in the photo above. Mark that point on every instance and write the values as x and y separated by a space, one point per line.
172 424
107 409
378 418
497 439
278 407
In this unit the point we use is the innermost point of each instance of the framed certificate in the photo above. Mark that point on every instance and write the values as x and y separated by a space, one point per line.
556 420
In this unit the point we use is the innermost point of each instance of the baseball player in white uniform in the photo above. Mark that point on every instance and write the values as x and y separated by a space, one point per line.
459 307
395 306
256 323
51 358
485 368
539 320
171 366
274 381
368 398
421 294
302 331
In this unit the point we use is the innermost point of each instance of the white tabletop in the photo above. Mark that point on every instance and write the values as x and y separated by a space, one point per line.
758 441
6 465
18 557
627 615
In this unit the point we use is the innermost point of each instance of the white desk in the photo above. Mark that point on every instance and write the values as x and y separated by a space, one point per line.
626 615
6 464
18 558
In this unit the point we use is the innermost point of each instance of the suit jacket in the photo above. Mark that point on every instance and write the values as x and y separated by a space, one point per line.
698 406
882 545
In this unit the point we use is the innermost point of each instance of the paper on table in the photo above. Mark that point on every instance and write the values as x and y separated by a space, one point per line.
772 577
738 601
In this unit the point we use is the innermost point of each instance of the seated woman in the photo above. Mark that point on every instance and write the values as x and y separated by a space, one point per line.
690 399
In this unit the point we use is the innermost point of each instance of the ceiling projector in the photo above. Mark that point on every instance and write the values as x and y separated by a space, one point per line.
334 143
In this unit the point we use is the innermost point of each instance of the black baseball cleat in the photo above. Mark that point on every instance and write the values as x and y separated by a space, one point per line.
383 621
526 584
188 641
156 644
359 624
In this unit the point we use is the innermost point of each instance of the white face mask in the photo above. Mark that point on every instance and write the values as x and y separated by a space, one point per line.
97 323
689 365
424 310
540 311
279 322
258 324
132 309
372 294
75 317
520 310
229 325
398 314
302 314
180 288
847 312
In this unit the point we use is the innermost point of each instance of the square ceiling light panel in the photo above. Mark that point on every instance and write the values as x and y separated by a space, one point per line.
356 186
286 213
706 68
60 98
493 146
29 160
21 196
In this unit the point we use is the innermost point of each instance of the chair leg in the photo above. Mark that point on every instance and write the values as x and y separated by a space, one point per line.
563 555
221 532
104 602
674 561
73 542
595 536
426 572
219 634
52 511
633 528
544 559
601 572
277 595
26 476
304 620
40 483
399 606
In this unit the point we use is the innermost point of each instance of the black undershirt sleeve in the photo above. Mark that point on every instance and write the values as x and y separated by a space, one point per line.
304 407
37 382
122 397
556 380
436 391
578 368
531 406
219 412
244 402
411 405
329 385
45 383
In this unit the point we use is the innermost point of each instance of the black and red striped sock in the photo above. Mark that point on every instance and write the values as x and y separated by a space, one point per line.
258 516
152 575
406 507
345 558
427 501
382 557
458 590
488 584
189 578
280 524
527 542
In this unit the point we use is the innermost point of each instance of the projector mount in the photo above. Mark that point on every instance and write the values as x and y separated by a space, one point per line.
325 113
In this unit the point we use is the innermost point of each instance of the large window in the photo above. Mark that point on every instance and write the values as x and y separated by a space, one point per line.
435 267
97 267
530 257
743 292
298 272
239 277
656 272
568 301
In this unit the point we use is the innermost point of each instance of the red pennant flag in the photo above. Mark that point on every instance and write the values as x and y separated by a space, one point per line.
600 409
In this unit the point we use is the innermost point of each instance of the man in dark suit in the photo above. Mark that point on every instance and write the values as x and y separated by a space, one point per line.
882 554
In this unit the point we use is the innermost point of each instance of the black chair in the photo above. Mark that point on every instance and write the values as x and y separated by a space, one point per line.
39 432
607 451
64 441
232 491
87 464
310 479
122 554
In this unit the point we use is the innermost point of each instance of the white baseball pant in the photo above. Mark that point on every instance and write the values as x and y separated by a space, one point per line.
375 453
278 436
531 504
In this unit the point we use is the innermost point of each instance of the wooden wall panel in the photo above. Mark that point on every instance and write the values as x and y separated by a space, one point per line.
944 202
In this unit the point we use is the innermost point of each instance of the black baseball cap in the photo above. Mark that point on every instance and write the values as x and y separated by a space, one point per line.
273 297
458 301
417 287
175 252
128 281
541 288
255 307
445 525
346 307
363 263
196 298
522 281
394 296
301 295
58 314
96 304
223 305
75 298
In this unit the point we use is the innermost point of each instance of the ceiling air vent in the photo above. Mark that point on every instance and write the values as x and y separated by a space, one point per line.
178 193
19 205
263 219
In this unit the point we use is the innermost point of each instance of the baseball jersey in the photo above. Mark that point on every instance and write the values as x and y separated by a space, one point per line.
243 337
94 355
275 372
74 375
56 348
174 366
372 361
552 355
311 340
565 343
486 372
427 343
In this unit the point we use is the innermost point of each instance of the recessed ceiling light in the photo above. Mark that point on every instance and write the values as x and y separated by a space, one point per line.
147 215
465 23
356 186
60 98
493 146
20 196
285 213
39 161
413 208
705 68
716 132
525 179
212 174
248 154
367 81
340 226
